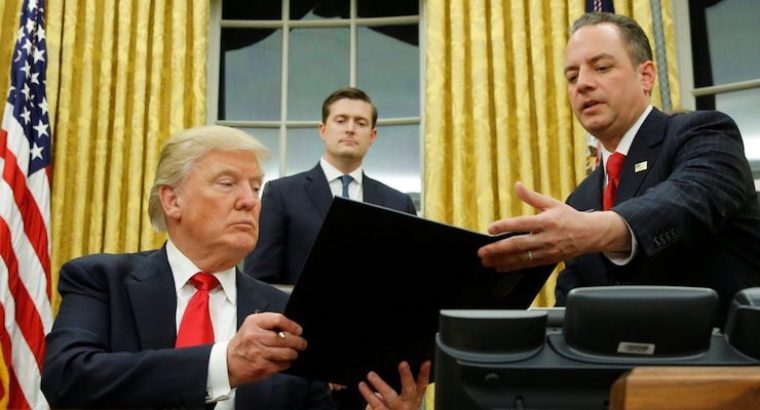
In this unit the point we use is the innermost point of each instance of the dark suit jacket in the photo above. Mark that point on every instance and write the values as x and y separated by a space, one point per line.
292 212
112 342
693 211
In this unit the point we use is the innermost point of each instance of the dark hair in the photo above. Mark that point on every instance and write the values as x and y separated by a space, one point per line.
635 39
350 93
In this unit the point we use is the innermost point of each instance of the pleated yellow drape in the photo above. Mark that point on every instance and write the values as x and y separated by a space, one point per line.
122 76
641 10
496 107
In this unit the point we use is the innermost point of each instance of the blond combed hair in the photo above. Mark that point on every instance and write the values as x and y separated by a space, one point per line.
183 148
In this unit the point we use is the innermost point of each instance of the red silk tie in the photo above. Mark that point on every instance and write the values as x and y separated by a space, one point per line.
196 327
614 166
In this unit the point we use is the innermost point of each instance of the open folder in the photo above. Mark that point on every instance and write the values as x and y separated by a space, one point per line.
371 289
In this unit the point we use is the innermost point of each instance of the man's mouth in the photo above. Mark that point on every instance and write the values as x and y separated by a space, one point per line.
589 104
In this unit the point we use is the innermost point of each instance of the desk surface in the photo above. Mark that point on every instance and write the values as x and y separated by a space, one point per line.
693 388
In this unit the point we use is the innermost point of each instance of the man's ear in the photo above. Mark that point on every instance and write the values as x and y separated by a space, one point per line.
647 75
170 202
322 127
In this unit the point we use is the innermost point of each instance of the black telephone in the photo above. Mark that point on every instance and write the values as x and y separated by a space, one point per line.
743 323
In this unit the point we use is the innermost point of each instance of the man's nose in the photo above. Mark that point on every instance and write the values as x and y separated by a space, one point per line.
248 197
585 80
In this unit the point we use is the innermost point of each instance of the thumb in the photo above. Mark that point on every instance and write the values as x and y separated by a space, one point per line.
534 199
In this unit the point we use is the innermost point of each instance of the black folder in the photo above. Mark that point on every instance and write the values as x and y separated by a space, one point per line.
371 289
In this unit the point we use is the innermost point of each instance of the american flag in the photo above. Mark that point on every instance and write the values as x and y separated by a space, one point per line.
600 5
25 143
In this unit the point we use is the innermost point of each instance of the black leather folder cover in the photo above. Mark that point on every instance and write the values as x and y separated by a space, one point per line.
374 282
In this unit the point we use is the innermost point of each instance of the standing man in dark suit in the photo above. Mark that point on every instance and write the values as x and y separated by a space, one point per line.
681 209
294 207
181 326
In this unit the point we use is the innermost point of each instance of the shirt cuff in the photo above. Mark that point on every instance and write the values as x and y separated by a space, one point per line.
624 258
218 381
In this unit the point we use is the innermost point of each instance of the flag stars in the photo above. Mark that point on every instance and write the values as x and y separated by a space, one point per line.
27 45
26 68
27 115
38 55
36 151
43 106
30 26
35 78
26 91
41 129
32 5
40 34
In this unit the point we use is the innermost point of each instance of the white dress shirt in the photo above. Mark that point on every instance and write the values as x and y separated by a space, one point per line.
223 310
333 175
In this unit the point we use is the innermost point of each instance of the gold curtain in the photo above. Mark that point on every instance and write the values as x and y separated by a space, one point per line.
122 76
496 108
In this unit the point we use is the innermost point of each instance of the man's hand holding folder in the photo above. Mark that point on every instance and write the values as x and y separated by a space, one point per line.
372 287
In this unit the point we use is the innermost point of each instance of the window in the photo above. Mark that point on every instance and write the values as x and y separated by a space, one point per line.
721 39
272 63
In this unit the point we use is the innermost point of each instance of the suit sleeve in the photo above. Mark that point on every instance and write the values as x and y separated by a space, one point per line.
318 396
267 261
709 181
410 208
81 370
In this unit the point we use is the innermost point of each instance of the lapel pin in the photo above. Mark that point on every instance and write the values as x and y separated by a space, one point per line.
641 166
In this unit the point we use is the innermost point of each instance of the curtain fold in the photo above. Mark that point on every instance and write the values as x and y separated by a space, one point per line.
497 109
126 75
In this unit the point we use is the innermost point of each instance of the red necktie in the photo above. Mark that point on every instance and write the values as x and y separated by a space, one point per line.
196 328
614 166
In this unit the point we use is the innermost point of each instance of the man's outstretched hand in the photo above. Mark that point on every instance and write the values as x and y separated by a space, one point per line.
558 232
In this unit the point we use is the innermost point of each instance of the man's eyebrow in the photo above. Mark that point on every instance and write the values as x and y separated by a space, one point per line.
594 59
602 56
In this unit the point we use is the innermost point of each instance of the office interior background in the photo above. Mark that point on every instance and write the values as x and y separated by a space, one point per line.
470 93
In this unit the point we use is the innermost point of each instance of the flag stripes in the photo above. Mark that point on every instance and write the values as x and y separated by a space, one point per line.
25 153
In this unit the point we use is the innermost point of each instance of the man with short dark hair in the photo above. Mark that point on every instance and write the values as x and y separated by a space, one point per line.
294 207
674 203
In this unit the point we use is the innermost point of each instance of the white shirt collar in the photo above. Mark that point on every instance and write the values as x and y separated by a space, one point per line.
333 173
183 269
625 144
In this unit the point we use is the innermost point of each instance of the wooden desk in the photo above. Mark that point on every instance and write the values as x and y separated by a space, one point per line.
692 388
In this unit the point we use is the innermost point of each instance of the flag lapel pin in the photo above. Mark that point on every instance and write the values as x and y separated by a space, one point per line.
641 166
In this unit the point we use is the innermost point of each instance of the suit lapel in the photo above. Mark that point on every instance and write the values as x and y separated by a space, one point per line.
153 311
318 190
644 150
595 196
250 300
370 191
